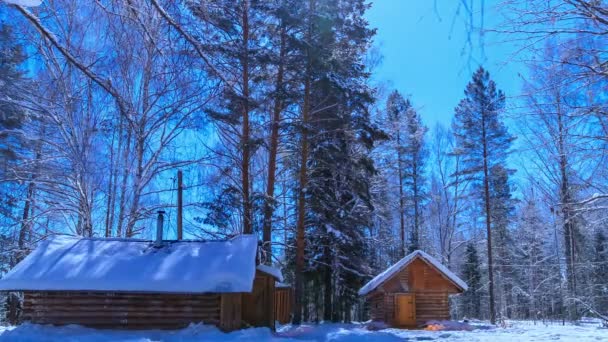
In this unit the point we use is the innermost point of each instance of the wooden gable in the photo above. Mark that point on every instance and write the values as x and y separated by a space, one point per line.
418 276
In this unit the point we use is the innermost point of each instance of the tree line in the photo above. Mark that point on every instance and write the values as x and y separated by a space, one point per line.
270 110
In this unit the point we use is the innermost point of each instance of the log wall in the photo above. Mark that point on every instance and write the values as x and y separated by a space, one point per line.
122 310
282 304
431 306
376 307
258 306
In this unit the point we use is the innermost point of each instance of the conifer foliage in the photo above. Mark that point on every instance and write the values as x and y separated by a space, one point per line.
483 142
410 155
471 272
13 86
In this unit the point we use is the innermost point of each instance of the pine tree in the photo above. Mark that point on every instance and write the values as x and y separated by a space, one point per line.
471 298
415 161
483 142
600 274
396 106
230 35
408 134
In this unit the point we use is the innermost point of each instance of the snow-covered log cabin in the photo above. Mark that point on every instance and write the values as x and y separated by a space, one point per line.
411 292
140 284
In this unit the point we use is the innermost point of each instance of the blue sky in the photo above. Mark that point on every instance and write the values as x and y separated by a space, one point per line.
425 54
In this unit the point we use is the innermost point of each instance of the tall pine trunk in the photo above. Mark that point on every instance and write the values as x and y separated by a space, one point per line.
401 199
416 233
303 179
327 284
300 238
272 157
245 139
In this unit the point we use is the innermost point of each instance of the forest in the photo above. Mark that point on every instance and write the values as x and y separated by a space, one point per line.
270 111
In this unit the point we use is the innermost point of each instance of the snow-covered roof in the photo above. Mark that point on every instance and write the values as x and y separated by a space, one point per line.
401 264
25 3
273 271
75 264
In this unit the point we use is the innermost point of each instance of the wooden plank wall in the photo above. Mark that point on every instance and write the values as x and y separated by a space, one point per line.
231 311
121 310
282 304
258 306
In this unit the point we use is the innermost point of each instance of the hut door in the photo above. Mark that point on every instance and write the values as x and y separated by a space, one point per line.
405 310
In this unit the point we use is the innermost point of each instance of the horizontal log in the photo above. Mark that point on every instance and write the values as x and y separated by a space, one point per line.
123 323
125 308
116 294
110 299
116 301
119 313
125 296
432 306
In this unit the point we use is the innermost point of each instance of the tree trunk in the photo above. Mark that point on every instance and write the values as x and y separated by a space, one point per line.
25 218
303 177
111 200
245 139
568 224
137 184
327 282
28 206
401 199
416 233
123 185
486 188
272 154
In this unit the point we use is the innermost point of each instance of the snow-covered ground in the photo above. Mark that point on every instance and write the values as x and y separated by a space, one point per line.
517 331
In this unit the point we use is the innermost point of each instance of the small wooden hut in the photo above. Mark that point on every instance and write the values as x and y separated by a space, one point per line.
140 284
412 292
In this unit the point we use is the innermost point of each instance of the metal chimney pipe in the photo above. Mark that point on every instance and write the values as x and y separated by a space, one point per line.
159 228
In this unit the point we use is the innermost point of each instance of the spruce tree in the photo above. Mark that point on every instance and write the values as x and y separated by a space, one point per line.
502 206
340 169
12 89
13 146
483 142
600 278
471 298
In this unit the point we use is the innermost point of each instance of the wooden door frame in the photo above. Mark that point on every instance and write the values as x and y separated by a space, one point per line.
396 298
